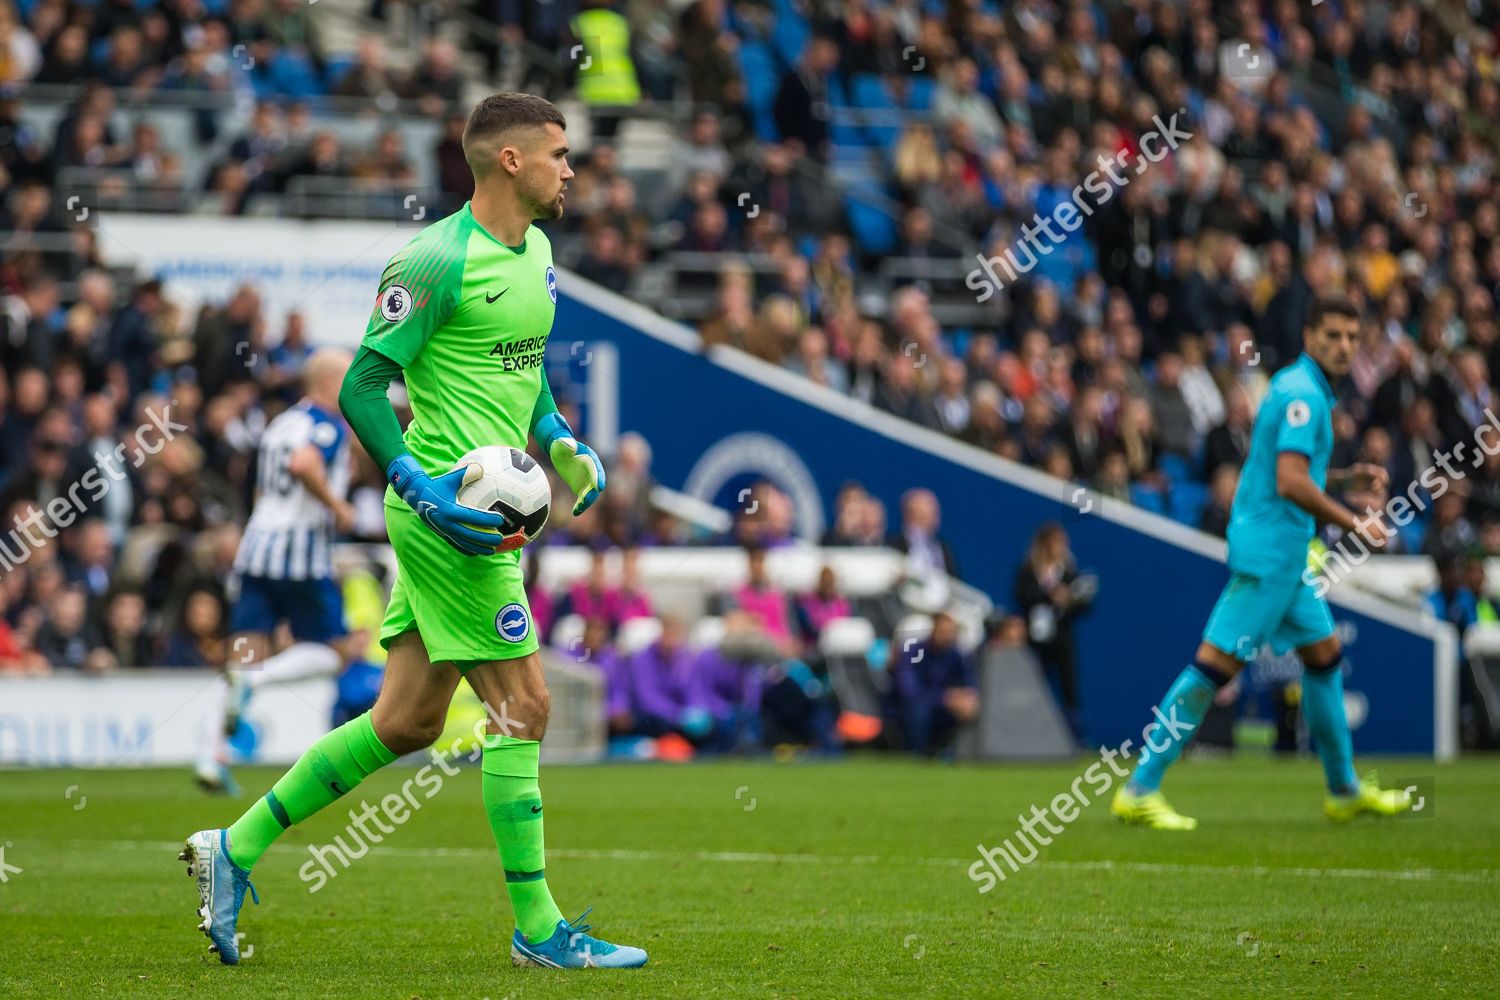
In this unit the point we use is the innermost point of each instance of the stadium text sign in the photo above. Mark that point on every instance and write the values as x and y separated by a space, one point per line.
327 271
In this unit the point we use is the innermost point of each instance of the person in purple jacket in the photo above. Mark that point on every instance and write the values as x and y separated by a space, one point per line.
595 649
656 678
727 696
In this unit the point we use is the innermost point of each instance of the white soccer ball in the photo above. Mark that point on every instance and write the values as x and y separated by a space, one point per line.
512 484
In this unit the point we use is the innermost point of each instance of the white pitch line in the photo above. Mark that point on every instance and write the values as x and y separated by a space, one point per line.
755 857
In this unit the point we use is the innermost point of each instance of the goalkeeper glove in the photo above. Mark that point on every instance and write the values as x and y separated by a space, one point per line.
467 529
575 461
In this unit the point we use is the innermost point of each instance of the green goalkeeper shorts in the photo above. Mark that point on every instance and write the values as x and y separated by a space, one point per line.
464 607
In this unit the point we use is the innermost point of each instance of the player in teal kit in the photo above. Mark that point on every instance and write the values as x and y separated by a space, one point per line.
1277 508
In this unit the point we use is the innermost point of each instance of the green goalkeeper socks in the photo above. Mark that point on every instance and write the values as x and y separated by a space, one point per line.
329 768
513 802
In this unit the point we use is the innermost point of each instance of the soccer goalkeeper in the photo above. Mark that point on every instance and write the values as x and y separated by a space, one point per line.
464 310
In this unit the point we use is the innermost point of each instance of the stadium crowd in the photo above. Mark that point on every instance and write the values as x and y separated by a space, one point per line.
1343 145
1333 147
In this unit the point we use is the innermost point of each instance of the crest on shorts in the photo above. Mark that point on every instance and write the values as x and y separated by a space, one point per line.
513 623
395 303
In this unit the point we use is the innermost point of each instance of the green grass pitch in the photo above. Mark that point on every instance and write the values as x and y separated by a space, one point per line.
826 879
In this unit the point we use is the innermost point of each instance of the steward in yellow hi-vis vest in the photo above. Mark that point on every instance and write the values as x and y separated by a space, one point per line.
606 74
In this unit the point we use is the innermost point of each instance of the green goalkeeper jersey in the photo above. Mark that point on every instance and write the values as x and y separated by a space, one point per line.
467 317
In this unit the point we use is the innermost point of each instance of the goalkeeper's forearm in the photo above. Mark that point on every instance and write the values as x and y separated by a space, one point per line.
545 405
367 408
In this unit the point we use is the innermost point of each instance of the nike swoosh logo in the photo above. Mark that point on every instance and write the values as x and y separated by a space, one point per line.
536 809
492 299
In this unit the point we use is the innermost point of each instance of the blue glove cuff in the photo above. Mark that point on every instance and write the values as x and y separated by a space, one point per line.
549 429
402 472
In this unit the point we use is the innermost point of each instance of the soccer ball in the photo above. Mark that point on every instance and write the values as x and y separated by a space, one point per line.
512 484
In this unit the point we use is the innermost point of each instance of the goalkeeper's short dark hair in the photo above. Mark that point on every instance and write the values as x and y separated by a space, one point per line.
500 113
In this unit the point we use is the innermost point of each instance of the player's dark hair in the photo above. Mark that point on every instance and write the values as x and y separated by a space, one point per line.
500 113
1331 305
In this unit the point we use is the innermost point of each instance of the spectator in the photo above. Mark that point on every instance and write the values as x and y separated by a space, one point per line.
765 605
1450 533
125 639
132 339
198 640
91 560
1451 601
593 597
633 599
604 260
926 551
1485 609
820 606
1051 594
958 99
1229 442
606 74
369 77
935 689
64 640
803 103
1216 512
657 677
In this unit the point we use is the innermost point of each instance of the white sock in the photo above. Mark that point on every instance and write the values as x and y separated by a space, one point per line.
211 731
298 661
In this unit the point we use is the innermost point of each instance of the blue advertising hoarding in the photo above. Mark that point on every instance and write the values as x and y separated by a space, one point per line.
716 421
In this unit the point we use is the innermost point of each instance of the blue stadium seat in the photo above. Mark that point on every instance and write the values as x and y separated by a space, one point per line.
762 79
292 75
335 68
873 230
1147 498
868 90
1175 467
1188 500
919 93
789 32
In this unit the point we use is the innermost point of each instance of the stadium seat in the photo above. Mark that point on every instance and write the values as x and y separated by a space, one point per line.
762 79
911 628
844 645
708 632
567 632
1188 498
874 230
1174 467
789 31
919 93
1147 498
636 634
868 90
293 75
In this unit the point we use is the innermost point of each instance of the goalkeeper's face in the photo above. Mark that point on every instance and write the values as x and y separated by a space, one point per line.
545 173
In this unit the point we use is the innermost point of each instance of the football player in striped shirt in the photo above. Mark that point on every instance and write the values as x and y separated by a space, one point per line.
283 571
